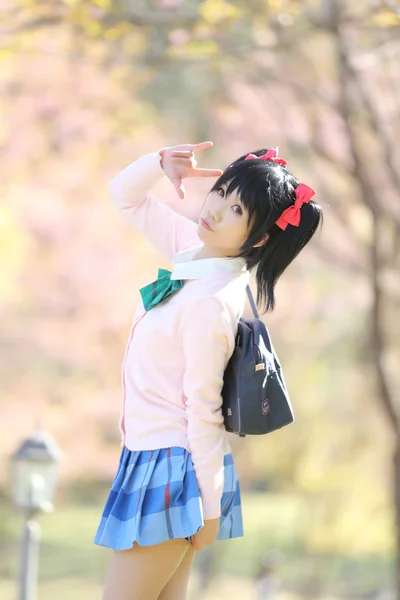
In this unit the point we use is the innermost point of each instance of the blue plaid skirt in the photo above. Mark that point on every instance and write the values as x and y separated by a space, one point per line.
155 498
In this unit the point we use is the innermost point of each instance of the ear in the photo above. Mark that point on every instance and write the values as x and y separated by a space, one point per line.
262 242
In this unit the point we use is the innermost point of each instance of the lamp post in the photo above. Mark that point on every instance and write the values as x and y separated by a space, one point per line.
33 475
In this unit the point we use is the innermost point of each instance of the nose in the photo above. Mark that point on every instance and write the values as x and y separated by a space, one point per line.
216 213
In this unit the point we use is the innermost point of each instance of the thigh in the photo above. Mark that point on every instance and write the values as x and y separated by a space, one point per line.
142 572
176 587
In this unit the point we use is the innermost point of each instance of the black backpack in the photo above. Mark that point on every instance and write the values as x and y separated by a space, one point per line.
255 400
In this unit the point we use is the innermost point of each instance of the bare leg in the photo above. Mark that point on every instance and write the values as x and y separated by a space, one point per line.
176 588
142 572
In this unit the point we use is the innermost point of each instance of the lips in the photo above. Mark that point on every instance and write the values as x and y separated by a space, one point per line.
205 225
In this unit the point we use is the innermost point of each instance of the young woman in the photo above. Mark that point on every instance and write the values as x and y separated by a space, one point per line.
176 489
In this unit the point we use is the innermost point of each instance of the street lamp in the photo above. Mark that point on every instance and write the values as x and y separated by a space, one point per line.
33 475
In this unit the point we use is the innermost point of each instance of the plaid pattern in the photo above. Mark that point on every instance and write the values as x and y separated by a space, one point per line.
155 498
160 289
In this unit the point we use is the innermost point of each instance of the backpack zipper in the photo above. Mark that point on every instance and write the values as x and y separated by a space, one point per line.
260 365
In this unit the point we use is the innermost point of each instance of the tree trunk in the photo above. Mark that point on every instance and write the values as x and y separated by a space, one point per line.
397 512
349 108
384 389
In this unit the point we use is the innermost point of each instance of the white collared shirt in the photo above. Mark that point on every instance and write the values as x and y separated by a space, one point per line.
186 266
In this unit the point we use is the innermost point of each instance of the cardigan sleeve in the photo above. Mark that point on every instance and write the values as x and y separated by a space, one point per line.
208 333
168 231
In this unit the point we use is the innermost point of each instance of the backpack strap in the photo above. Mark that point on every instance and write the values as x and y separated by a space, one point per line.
252 303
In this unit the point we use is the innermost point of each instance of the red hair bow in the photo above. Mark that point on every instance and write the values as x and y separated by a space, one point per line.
272 154
292 215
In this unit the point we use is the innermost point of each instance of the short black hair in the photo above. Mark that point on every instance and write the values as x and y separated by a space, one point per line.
266 189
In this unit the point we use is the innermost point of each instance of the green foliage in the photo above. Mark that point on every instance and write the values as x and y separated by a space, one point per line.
271 521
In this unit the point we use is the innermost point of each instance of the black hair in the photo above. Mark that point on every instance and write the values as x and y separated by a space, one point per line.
266 189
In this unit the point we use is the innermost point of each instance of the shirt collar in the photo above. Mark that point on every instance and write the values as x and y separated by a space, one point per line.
185 267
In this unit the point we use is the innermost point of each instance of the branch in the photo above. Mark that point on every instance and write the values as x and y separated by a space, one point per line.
377 125
378 343
35 24
127 12
370 198
341 262
383 52
346 110
139 13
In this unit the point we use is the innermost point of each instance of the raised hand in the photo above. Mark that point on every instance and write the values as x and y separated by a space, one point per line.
179 163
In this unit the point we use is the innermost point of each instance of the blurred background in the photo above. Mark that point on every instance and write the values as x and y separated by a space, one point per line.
87 87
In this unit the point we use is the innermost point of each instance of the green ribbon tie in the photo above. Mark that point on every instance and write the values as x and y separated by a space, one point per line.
156 292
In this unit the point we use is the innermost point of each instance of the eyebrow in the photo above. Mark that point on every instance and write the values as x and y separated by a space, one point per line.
238 200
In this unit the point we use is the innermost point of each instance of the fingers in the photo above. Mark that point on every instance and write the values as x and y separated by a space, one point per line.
207 172
182 154
196 546
192 147
194 543
193 172
180 188
189 163
202 146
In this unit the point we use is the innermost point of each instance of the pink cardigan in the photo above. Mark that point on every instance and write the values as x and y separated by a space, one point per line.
177 352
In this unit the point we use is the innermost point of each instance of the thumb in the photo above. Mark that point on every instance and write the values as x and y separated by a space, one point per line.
180 188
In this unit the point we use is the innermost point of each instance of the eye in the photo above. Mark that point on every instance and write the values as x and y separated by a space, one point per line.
237 209
221 192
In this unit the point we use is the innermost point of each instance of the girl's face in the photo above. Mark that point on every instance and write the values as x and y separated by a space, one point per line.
223 224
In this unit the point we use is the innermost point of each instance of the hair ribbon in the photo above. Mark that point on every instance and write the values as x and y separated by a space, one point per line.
272 154
292 215
304 193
